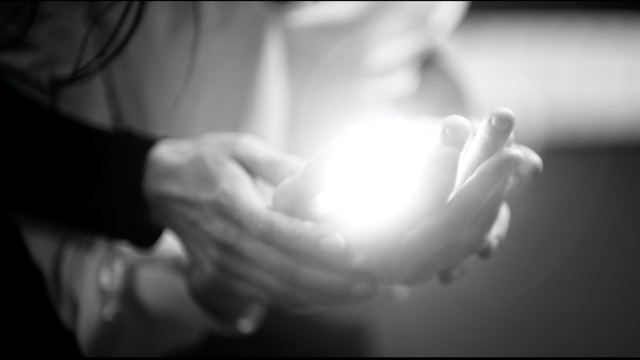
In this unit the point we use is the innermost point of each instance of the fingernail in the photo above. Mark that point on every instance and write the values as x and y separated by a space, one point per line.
455 130
500 123
362 289
333 244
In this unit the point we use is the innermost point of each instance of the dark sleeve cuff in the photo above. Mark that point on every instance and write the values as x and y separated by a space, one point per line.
67 171
123 182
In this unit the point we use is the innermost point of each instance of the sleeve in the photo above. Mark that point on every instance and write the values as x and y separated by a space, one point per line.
62 170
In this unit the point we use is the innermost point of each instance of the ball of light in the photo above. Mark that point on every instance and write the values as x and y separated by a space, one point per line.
374 170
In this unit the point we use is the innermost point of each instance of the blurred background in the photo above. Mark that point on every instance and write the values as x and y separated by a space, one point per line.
567 281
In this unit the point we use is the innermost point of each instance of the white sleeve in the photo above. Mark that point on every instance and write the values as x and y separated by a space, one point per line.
120 301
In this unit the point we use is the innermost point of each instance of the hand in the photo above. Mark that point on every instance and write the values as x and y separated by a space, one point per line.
446 232
377 245
443 238
205 190
489 227
485 210
457 231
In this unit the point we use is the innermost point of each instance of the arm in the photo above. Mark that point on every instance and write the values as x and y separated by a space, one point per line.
65 171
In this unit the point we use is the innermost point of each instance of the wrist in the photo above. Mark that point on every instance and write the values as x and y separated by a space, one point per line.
162 171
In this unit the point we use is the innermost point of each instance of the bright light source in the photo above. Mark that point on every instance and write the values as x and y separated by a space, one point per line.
374 170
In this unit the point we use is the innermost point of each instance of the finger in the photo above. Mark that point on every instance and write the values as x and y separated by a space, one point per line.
217 276
222 296
479 227
438 242
437 182
476 191
290 277
431 247
435 248
273 290
208 246
455 131
296 196
302 237
249 212
493 133
511 141
530 168
220 238
450 237
440 168
262 160
532 165
498 232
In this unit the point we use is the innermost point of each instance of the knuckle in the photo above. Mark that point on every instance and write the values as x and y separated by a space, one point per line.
243 141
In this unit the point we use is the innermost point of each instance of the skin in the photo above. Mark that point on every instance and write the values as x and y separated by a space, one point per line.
273 250
152 287
490 226
439 232
205 189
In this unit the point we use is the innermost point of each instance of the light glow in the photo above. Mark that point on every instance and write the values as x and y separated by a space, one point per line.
374 170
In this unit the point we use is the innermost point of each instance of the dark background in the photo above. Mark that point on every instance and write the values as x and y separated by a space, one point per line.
553 5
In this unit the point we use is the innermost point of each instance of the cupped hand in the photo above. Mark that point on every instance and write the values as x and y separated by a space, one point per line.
380 247
490 226
241 250
447 223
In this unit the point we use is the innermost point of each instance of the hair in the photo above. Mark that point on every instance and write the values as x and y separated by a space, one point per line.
23 16
128 22
92 57
16 25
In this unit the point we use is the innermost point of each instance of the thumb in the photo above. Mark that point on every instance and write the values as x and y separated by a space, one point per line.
263 160
296 195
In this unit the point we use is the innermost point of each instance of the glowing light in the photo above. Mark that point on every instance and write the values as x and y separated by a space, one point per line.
375 169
